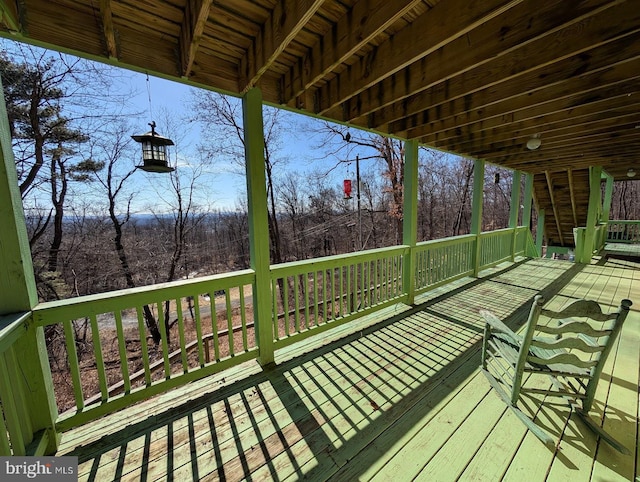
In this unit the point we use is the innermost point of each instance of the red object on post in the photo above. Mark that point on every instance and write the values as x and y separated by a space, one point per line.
347 188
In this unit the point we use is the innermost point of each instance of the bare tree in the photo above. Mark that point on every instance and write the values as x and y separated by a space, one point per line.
221 118
113 150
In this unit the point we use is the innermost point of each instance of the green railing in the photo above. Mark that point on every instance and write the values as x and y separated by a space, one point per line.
26 423
100 358
443 260
623 232
313 295
205 326
15 423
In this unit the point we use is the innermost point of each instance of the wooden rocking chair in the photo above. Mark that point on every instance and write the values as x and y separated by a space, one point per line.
571 351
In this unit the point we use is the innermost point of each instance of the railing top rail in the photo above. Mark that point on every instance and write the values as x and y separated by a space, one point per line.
496 232
624 221
12 327
127 298
447 240
341 258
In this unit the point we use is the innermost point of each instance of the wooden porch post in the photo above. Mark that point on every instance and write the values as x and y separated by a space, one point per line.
528 200
514 211
608 194
18 294
476 211
593 214
258 221
410 217
540 232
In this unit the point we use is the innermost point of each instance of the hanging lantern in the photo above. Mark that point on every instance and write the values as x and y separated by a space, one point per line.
347 188
154 150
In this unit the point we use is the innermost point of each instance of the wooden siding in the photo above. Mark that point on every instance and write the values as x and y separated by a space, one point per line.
400 399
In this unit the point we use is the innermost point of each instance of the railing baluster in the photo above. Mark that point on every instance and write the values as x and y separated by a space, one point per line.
198 322
332 281
306 280
122 349
214 327
243 318
183 342
143 346
230 334
324 295
5 447
19 391
285 305
296 294
74 365
163 339
10 408
276 310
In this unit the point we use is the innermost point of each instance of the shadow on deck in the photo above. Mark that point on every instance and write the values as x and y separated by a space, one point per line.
396 400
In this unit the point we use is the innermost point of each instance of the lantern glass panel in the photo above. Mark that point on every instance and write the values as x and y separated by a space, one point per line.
153 152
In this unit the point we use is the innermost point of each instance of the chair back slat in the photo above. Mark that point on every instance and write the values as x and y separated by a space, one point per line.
588 308
574 327
578 343
563 358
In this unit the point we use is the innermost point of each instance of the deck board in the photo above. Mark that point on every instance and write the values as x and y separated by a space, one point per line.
402 399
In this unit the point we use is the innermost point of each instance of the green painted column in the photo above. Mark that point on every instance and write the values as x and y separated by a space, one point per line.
528 200
608 195
593 214
258 221
17 283
540 232
18 294
514 211
476 211
410 217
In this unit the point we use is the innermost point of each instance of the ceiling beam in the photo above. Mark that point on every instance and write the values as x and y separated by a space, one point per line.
591 74
108 30
540 118
365 21
285 21
9 16
560 132
502 49
428 33
195 19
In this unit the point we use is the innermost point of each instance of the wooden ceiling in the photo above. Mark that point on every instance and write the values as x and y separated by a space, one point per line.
477 78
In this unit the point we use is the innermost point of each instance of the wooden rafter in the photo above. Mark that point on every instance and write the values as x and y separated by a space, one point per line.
474 78
444 23
108 29
9 15
284 23
554 206
366 20
477 61
508 129
594 76
195 19
573 197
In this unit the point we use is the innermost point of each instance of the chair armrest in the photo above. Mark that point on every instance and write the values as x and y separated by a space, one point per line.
496 324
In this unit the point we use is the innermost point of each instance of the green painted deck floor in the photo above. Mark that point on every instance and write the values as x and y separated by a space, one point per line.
400 400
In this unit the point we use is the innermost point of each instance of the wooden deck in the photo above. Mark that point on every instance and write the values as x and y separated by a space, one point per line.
402 399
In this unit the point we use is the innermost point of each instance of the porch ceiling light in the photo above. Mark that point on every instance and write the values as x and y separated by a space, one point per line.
631 172
534 142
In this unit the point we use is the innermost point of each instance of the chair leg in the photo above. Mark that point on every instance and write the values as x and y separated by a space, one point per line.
595 428
542 435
